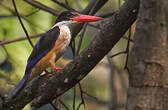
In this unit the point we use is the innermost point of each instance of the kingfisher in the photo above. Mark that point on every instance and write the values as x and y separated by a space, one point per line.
51 46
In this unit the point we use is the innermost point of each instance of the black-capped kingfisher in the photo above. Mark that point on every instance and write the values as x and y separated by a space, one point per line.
51 46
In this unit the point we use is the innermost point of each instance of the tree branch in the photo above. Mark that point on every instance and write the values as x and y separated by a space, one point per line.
20 20
3 42
43 90
63 5
22 16
43 7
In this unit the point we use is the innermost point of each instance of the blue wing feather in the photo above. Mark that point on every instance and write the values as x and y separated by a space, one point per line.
20 85
42 47
31 63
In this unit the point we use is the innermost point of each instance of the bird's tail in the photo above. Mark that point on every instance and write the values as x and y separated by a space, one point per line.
20 86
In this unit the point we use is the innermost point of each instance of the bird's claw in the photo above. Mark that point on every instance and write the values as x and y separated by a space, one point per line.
58 68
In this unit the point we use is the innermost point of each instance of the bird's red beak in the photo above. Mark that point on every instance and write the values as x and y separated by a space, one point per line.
86 18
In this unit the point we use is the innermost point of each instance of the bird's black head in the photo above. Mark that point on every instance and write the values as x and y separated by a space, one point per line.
66 15
76 17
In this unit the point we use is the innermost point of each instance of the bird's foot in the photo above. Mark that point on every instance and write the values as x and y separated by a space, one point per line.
58 68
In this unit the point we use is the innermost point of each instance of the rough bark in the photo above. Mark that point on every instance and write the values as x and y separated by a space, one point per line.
148 80
43 90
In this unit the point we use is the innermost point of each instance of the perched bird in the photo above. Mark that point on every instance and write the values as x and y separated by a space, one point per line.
51 46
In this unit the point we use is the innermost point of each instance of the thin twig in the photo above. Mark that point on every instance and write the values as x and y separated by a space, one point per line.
22 16
66 2
81 38
72 45
74 98
94 26
55 108
13 1
7 8
87 94
127 49
62 103
32 13
82 98
19 39
43 7
107 14
14 12
119 53
7 16
126 38
63 5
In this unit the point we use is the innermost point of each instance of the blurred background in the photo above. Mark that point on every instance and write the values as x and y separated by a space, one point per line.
106 83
